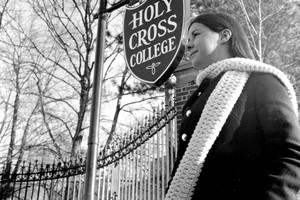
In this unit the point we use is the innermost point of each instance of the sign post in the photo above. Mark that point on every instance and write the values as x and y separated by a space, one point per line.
91 161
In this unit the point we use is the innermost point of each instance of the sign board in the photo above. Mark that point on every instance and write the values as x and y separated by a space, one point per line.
153 32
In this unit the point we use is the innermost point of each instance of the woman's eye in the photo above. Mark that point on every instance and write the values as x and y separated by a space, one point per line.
195 34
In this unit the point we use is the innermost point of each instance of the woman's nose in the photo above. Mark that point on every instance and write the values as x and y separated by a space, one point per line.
189 45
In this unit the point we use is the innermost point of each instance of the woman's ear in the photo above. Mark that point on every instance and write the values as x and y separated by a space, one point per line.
225 35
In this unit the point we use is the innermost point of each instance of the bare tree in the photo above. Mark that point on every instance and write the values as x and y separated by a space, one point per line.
70 25
72 32
15 123
3 6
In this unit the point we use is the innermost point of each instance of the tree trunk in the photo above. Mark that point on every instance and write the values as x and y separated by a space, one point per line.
84 100
11 147
118 108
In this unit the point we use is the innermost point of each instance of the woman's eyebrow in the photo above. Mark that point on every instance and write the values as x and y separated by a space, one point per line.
197 29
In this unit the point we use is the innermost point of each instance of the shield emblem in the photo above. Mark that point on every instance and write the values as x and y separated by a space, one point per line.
153 44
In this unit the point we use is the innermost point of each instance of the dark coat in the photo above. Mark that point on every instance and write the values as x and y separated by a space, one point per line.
257 154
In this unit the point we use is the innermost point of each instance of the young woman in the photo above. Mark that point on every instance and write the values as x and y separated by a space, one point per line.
240 137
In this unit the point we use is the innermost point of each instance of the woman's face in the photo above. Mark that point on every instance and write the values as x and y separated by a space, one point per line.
204 46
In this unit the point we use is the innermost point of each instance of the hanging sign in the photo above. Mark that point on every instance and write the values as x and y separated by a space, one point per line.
153 38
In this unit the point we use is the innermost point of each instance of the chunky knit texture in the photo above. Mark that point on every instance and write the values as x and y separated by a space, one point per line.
214 115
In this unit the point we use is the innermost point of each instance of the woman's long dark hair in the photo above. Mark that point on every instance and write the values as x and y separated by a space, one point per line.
217 22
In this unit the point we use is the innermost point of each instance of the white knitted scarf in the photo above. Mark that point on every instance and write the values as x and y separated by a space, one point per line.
217 109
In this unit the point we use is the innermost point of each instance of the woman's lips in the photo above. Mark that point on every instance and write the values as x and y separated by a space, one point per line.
193 53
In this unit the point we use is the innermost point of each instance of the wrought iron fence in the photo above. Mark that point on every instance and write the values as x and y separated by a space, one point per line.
135 166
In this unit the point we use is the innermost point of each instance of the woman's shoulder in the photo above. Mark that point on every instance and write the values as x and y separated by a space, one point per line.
264 79
266 85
